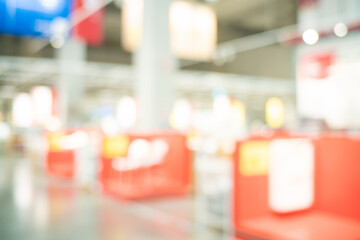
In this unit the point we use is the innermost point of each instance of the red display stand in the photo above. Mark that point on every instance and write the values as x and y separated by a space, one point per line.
59 163
170 175
68 162
335 213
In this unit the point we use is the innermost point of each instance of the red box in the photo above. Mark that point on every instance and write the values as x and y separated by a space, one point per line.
335 213
61 164
170 176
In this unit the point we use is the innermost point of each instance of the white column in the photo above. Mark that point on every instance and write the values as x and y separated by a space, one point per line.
70 84
155 67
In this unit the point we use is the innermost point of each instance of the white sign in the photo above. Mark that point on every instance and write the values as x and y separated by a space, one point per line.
328 83
142 154
291 175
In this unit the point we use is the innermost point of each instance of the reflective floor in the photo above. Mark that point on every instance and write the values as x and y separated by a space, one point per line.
34 206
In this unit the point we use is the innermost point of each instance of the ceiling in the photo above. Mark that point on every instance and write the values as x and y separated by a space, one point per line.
251 75
236 19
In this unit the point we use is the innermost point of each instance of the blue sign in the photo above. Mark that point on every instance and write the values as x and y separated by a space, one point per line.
35 18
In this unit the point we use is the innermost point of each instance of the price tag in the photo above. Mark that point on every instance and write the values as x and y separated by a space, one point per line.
54 140
116 146
254 158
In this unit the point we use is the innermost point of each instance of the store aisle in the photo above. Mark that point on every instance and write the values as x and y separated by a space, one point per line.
33 206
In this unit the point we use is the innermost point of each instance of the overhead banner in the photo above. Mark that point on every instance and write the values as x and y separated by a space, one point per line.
193 29
88 18
35 18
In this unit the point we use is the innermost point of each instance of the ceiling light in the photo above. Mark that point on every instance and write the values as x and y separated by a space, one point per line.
340 30
310 36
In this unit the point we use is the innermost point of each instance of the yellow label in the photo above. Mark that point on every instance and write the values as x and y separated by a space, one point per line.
254 158
275 113
116 146
54 140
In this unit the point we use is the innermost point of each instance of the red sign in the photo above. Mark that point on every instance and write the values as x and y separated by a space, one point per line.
316 65
88 16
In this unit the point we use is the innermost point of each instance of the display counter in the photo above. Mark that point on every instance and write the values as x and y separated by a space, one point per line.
137 165
328 207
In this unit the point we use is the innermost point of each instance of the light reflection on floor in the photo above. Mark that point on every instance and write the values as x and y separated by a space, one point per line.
32 206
